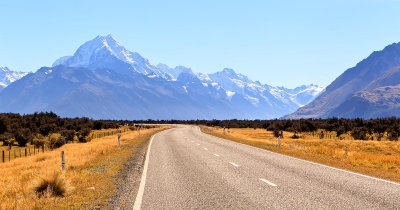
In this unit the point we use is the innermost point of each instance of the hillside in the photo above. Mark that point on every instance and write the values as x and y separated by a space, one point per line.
367 90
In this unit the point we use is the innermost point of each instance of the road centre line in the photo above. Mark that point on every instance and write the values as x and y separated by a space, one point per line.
268 182
234 164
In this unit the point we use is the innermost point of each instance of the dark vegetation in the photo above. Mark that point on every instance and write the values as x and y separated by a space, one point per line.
361 129
48 129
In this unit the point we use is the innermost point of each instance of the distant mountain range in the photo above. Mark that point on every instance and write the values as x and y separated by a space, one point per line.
371 89
7 76
104 80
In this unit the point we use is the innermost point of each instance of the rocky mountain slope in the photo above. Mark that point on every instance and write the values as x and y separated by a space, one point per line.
368 90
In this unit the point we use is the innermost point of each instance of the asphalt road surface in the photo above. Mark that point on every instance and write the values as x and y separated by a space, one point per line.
187 169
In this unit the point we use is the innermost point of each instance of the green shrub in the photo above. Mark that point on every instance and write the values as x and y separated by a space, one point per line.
38 140
23 136
55 140
359 133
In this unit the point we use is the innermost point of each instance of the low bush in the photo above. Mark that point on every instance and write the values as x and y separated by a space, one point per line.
359 133
55 140
38 140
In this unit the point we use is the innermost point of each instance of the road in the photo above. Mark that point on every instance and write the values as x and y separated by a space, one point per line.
187 169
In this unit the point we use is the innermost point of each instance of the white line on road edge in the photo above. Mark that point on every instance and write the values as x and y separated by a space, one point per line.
139 196
314 163
268 182
216 155
205 149
234 164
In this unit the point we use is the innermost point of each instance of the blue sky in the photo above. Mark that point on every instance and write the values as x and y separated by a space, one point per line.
278 42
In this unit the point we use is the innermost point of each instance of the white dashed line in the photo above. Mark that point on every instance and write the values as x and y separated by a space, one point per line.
234 164
205 149
216 155
268 182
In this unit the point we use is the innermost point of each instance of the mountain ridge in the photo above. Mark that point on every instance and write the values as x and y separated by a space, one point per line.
352 88
102 79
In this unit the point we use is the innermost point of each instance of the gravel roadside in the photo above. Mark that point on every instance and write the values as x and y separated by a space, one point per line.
128 180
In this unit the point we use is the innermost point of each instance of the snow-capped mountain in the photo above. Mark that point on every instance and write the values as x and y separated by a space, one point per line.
301 95
7 76
104 80
106 52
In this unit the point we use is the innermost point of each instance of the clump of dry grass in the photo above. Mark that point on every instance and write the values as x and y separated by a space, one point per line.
54 185
376 158
89 166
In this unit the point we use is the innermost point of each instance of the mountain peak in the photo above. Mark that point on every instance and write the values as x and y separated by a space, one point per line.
99 49
4 69
8 76
229 71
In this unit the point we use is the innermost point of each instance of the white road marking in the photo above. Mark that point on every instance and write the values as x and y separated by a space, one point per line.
139 196
234 164
205 149
268 182
216 155
307 161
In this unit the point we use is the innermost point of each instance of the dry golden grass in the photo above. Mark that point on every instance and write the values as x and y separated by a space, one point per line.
376 158
90 170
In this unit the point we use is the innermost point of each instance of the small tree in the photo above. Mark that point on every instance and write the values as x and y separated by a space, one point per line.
276 133
359 133
394 134
38 140
23 136
322 135
5 137
55 140
68 135
83 135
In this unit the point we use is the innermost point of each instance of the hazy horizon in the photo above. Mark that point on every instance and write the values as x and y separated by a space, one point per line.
282 43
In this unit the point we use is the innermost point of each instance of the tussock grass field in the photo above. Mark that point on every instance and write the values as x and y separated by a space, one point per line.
90 174
376 158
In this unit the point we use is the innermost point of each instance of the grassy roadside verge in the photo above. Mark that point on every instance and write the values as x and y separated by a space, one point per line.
91 171
375 158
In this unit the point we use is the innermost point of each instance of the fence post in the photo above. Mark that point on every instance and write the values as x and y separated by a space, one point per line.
34 150
119 139
9 155
43 148
25 152
62 161
2 156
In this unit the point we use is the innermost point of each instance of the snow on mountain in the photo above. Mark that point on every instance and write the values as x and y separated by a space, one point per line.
112 82
300 96
7 76
173 73
106 52
254 91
